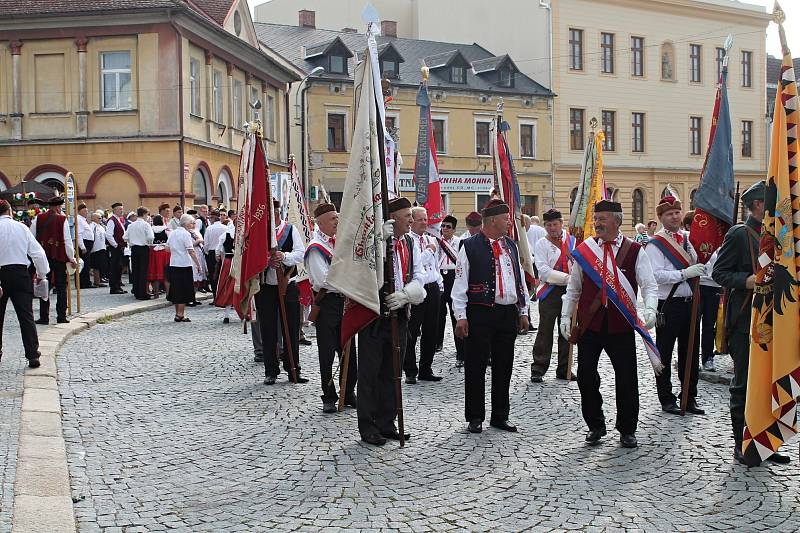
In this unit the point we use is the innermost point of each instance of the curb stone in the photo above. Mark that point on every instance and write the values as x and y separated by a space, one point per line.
42 495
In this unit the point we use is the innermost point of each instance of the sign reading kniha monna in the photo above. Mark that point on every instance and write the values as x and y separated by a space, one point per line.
453 182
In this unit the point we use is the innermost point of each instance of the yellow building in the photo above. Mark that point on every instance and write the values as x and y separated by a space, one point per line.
466 84
144 103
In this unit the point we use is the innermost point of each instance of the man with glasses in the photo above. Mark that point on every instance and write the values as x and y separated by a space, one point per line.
448 252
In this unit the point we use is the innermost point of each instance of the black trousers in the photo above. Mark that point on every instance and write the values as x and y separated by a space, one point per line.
709 305
549 316
18 287
140 261
116 261
86 274
445 305
492 332
211 264
329 329
58 275
376 376
621 349
678 318
424 319
739 347
271 324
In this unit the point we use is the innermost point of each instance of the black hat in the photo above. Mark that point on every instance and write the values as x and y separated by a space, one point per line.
474 219
551 214
231 212
177 208
323 208
81 206
495 207
191 212
451 219
116 205
399 203
276 203
56 200
755 192
607 206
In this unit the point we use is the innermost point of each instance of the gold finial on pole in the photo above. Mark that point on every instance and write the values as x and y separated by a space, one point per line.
593 124
778 15
426 73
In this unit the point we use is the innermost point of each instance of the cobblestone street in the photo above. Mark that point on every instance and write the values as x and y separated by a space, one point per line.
168 426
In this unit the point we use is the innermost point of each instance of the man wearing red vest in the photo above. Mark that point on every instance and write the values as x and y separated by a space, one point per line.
603 284
52 231
115 232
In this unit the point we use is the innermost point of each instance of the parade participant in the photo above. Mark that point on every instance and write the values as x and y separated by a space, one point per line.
330 305
652 225
448 253
159 257
553 263
674 263
223 296
686 223
474 222
734 270
98 258
85 243
710 294
376 393
199 273
289 254
491 305
139 236
608 272
202 220
425 315
214 235
115 230
52 231
164 211
183 259
175 221
18 245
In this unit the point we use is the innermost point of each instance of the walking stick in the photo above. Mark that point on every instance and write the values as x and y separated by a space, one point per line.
282 283
688 367
343 373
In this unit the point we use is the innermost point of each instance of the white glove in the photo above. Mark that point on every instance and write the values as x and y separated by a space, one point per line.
649 312
565 328
413 294
557 278
388 229
397 300
693 271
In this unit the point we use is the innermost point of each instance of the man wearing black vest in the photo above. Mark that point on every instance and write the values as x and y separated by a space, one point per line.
115 230
602 326
289 254
491 305
376 400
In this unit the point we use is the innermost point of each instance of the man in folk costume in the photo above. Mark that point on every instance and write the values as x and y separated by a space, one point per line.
491 306
139 236
290 253
85 243
474 222
674 263
552 254
115 230
376 393
424 316
175 221
608 272
329 308
448 254
734 270
52 231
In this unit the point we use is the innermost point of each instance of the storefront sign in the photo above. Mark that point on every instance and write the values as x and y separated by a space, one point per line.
453 182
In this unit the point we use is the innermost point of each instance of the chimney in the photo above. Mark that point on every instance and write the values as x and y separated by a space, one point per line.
349 30
389 28
307 19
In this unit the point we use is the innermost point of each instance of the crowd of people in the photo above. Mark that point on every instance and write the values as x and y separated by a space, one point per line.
587 292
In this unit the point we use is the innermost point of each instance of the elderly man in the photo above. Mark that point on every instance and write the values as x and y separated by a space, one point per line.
553 261
608 272
474 222
674 263
139 236
734 270
115 230
85 244
448 251
491 306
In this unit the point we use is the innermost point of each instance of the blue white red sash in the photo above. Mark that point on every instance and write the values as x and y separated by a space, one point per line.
618 290
327 254
669 247
562 265
283 234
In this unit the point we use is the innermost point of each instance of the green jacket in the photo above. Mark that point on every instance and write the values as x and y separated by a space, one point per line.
734 265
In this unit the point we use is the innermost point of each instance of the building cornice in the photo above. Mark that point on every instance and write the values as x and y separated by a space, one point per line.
755 14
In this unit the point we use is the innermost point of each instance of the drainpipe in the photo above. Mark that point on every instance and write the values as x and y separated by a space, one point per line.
288 124
181 160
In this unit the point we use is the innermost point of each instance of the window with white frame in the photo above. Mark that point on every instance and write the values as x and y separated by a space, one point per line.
217 90
440 134
115 81
482 137
194 86
527 140
237 104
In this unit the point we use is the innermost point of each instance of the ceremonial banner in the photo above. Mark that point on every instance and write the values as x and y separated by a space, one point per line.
358 259
298 216
426 167
591 188
774 373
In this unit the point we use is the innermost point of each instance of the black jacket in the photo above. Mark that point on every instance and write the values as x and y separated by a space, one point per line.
734 265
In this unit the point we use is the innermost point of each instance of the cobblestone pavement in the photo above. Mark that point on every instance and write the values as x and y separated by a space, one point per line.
169 427
12 369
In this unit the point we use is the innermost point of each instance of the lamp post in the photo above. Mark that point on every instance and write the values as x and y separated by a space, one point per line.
300 118
549 7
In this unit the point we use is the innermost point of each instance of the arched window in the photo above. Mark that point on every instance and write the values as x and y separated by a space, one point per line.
691 199
200 187
572 196
224 190
52 179
668 62
638 207
612 193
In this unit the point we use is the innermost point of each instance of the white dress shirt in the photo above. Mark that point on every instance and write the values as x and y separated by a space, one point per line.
428 258
18 243
214 234
219 249
317 265
174 224
69 247
139 233
535 233
85 232
547 255
399 276
290 259
445 263
179 243
99 237
665 272
706 279
644 275
110 230
506 273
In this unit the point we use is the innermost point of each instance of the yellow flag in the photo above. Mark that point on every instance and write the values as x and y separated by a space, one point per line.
597 191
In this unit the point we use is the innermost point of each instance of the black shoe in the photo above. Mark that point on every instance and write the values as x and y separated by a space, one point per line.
269 380
531 327
33 362
411 380
459 363
594 436
305 342
671 408
430 377
779 458
300 379
395 435
102 285
118 291
374 439
258 358
505 425
628 441
191 304
43 322
62 321
536 378
475 426
351 401
329 407
226 320
739 456
694 408
439 348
